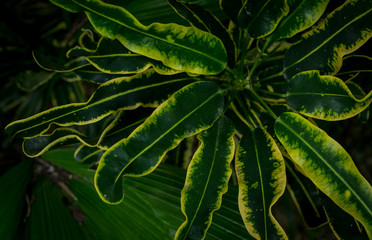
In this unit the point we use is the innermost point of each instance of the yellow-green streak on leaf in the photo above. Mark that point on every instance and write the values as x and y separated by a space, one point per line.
328 165
324 97
207 179
189 111
182 48
261 177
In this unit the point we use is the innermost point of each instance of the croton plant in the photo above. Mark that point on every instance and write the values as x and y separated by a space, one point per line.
249 87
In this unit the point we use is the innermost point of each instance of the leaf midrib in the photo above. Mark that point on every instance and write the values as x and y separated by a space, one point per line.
150 35
330 167
208 178
327 39
164 134
262 182
87 105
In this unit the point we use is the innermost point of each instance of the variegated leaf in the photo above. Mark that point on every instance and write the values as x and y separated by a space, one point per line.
328 165
260 170
207 178
189 111
341 32
324 97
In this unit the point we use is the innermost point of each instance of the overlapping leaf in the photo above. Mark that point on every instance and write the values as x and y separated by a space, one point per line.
122 93
261 177
181 48
342 32
328 165
260 18
206 21
324 97
207 178
112 58
189 111
303 14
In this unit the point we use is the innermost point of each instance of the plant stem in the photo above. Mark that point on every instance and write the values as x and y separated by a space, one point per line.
272 76
255 65
272 93
264 104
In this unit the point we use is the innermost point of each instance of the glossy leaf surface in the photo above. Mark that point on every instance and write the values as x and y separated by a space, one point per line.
261 177
342 32
328 165
207 178
260 18
181 48
189 111
324 97
117 94
303 14
204 20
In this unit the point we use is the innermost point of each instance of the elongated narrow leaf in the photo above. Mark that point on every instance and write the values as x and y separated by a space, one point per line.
328 165
260 18
261 176
123 93
342 224
342 32
303 14
181 48
207 179
111 57
189 111
324 97
206 21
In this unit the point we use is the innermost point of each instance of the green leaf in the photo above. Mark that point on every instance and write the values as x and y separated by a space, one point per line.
181 48
152 200
342 32
324 97
111 57
29 80
261 177
50 63
13 184
189 111
303 14
231 8
206 21
342 224
260 18
86 154
50 217
328 165
122 93
207 179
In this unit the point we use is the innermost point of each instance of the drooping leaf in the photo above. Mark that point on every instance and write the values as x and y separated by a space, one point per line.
50 63
303 14
342 32
324 97
29 80
342 224
328 165
260 18
13 184
189 111
181 48
207 178
122 93
112 58
261 177
206 21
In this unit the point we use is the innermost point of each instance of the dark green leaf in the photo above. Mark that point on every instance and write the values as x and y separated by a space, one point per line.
189 111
